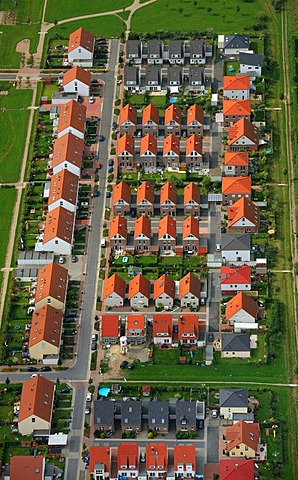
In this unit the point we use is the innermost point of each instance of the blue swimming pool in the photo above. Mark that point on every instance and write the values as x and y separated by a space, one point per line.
173 99
104 391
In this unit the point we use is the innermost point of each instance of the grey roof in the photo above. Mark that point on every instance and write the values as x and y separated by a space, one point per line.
235 242
233 397
197 47
235 342
131 413
103 412
176 48
236 41
175 74
251 59
133 47
154 47
131 74
158 413
185 413
153 74
196 74
247 417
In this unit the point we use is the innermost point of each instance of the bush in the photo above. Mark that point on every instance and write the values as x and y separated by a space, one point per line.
116 111
117 102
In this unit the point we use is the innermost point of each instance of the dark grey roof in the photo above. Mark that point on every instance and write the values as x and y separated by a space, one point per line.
236 41
235 342
158 413
131 413
185 413
153 74
196 74
176 48
197 47
154 47
103 412
251 59
235 242
131 74
247 417
175 74
133 47
233 397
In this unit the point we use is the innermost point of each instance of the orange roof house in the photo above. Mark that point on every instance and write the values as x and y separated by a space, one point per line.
185 460
241 435
148 144
238 82
243 135
156 458
192 194
139 291
237 469
128 115
72 119
36 402
194 146
162 328
242 308
109 328
145 193
195 115
243 215
58 232
150 114
190 228
167 226
121 193
128 458
76 73
235 278
26 466
118 228
135 328
236 159
168 193
237 186
142 228
81 38
100 455
63 190
164 286
173 115
114 291
188 329
45 332
236 108
189 285
125 145
68 153
51 286
171 146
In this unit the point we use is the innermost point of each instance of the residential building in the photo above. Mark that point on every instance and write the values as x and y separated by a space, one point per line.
189 291
164 292
142 234
36 405
110 329
45 333
58 232
118 233
192 199
51 286
234 44
153 79
235 110
121 199
235 247
197 52
81 48
148 153
188 330
104 411
194 153
237 470
162 329
136 329
176 52
234 188
26 466
195 120
128 120
234 279
125 152
186 415
243 136
156 460
232 401
196 80
100 462
185 461
128 460
167 235
235 345
174 79
243 217
150 120
77 80
190 235
236 164
131 415
72 119
139 291
131 79
68 154
251 63
242 309
114 291
168 199
158 416
145 199
173 120
242 440
134 50
63 191
171 151
236 87
155 52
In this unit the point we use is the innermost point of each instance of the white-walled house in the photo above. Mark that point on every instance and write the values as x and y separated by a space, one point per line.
236 87
189 291
114 291
77 80
68 154
139 292
72 117
235 247
251 63
81 48
63 191
242 309
58 232
164 292
235 279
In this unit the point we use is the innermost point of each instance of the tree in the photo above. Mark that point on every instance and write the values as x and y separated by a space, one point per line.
261 17
195 3
209 9
180 9
7 381
55 22
237 9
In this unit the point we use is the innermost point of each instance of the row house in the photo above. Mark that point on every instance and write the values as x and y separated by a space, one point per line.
243 136
158 416
150 120
142 234
134 49
125 152
195 120
171 151
175 79
118 233
197 52
148 153
234 110
131 415
186 416
164 292
63 191
80 49
234 188
77 80
237 469
242 309
145 199
236 87
236 164
68 154
190 234
100 462
235 279
110 329
153 79
131 79
139 292
128 460
114 291
58 232
168 199
167 235
192 199
51 286
197 81
175 54
189 291
162 325
188 330
156 461
243 217
172 120
155 52
136 327
45 333
121 199
72 119
185 461
194 153
128 120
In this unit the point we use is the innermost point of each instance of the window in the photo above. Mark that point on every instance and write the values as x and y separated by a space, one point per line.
33 420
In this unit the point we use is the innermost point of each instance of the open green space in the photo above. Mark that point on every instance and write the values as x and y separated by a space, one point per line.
13 34
7 200
57 10
23 10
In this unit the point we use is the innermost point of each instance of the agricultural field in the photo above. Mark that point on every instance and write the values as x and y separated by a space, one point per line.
57 10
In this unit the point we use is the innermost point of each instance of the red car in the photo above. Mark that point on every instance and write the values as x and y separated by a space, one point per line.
98 165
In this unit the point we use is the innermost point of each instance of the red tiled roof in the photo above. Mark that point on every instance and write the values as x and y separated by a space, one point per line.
145 192
236 185
29 467
156 457
171 143
81 38
135 322
173 113
235 276
59 224
128 113
185 455
236 107
110 326
72 114
243 432
167 225
114 284
125 143
150 113
190 227
142 226
192 192
164 284
236 158
194 144
243 128
190 283
188 324
118 226
46 326
139 284
121 191
237 469
100 455
243 208
162 323
128 454
148 143
63 186
241 302
77 73
68 148
51 282
195 112
37 399
233 82
168 192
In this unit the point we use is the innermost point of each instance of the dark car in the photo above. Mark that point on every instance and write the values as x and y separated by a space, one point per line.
80 99
110 169
108 194
46 369
82 216
210 337
131 366
32 369
111 162
96 193
101 138
132 213
93 346
223 229
201 424
69 320
94 80
114 126
65 390
124 364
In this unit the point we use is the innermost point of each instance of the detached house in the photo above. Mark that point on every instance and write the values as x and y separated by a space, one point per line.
81 48
77 80
110 329
63 191
173 120
235 247
234 44
121 199
234 188
188 330
232 401
128 120
251 63
171 151
195 120
51 286
189 291
164 292
185 461
236 164
167 235
236 87
192 200
242 309
190 235
158 416
142 234
131 416
58 232
186 416
118 233
162 329
145 199
27 466
68 154
114 291
197 52
148 153
45 334
194 153
125 152
234 279
243 217
155 52
131 79
100 462
156 460
242 440
128 460
168 199
153 79
235 345
136 329
72 118
139 291
243 136
234 110
150 120
134 51
237 470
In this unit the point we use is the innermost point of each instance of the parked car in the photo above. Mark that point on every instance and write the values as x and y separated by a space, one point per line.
101 138
65 390
94 80
131 366
91 99
96 193
111 162
32 369
87 411
200 424
214 413
89 397
108 194
82 216
111 169
34 375
223 229
80 99
94 337
132 213
74 259
93 346
114 126
124 364
210 337
46 369
61 260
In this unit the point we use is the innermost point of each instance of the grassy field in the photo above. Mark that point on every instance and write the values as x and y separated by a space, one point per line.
7 202
57 10
13 120
24 11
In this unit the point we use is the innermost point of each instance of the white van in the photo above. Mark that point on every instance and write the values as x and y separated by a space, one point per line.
103 243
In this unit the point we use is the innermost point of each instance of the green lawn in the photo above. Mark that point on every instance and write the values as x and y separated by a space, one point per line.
57 10
7 202
24 11
10 36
